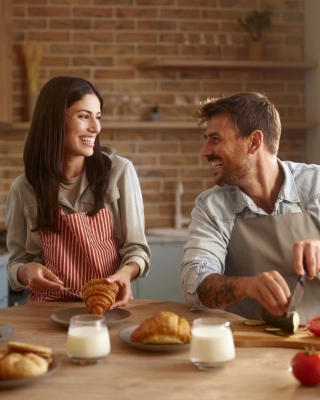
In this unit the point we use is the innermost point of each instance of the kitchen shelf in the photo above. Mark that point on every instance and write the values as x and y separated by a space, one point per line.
150 125
227 64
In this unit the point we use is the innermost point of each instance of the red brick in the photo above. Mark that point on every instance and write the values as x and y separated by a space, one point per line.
114 49
136 37
132 12
113 25
28 24
97 12
49 36
88 36
113 74
93 61
70 24
48 11
180 13
158 25
69 49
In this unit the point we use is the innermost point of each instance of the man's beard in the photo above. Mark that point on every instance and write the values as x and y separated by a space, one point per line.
235 174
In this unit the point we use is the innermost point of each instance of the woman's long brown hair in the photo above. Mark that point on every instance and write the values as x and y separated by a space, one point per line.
44 147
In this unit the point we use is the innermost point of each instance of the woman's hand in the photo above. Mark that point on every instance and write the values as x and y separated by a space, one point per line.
123 277
39 278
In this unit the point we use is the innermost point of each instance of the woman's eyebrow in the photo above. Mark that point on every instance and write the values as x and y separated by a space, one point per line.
88 111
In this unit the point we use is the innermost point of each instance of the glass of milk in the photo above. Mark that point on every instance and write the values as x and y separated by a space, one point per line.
88 339
211 344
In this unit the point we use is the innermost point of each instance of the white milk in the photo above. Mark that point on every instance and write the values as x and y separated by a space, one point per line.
212 344
88 342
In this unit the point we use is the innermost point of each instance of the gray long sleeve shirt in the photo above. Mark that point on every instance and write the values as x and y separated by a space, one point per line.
123 200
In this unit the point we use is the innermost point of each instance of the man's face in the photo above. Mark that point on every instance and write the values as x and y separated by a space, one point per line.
227 152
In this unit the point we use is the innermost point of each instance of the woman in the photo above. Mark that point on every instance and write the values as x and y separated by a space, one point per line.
77 212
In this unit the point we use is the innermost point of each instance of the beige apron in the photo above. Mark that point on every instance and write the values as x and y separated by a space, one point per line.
85 248
265 243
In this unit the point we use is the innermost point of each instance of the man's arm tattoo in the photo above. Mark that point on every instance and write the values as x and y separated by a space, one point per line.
218 291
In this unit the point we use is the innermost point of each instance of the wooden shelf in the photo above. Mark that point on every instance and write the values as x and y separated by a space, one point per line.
150 125
227 64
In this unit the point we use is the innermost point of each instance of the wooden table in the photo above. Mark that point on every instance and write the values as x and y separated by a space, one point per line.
129 373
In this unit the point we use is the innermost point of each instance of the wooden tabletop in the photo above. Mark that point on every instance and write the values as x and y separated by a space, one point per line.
130 373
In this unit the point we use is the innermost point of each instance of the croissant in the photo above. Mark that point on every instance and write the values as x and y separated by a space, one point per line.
163 328
98 295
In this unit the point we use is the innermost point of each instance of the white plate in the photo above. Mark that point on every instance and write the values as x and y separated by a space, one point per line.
12 383
5 331
63 317
125 335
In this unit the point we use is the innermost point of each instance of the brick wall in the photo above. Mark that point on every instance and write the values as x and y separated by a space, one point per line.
105 40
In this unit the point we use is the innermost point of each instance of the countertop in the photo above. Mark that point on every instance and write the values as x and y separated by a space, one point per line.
128 373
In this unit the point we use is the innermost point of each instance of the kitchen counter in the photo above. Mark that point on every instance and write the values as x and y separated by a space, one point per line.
129 373
167 235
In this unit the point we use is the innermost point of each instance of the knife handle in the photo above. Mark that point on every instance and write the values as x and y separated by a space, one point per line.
302 279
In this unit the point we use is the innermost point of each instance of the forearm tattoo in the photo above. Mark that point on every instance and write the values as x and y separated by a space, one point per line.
218 291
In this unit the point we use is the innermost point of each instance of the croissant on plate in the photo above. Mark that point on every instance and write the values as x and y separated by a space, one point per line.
98 295
165 327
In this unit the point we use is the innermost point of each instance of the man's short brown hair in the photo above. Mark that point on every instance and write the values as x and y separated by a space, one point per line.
249 112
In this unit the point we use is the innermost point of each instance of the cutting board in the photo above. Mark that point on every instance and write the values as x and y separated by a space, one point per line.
255 336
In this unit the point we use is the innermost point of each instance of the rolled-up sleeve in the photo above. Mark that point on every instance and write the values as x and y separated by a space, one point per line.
204 251
134 247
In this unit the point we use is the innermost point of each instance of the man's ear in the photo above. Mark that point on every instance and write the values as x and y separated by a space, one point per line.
256 141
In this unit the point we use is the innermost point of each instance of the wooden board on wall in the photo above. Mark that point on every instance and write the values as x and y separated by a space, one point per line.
5 64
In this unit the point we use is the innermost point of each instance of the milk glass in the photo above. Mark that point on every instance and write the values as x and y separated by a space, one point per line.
211 344
88 339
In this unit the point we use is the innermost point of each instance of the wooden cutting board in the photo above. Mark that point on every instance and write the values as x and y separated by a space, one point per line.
255 336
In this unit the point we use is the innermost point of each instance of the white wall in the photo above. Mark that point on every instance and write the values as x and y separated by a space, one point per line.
312 52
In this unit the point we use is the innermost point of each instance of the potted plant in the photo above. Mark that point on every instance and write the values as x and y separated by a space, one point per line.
254 24
155 113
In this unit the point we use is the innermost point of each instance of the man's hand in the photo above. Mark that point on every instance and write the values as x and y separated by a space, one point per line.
39 278
270 290
307 253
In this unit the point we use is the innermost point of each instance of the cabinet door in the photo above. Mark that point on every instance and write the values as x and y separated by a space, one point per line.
4 289
163 280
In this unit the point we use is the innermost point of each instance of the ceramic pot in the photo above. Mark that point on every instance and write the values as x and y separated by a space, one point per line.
255 50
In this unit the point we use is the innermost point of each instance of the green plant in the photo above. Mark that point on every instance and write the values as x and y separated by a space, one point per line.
155 109
256 22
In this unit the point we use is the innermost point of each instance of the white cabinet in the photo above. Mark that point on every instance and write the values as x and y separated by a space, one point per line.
163 280
4 288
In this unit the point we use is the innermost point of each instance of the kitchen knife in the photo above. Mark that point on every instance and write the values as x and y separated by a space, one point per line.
297 294
72 292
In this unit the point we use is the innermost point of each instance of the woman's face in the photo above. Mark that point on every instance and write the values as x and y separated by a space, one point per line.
82 125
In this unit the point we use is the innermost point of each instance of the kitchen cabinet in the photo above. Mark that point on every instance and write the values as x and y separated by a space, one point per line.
4 288
5 64
163 280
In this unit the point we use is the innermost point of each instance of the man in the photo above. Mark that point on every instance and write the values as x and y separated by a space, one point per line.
254 231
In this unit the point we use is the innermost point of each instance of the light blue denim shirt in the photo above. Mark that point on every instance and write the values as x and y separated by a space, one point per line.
214 215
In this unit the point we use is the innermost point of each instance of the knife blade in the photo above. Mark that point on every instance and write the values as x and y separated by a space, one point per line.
72 292
297 294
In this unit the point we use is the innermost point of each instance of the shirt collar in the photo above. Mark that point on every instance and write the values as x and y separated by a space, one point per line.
287 192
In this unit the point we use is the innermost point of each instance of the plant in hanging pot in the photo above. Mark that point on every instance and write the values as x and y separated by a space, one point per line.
255 23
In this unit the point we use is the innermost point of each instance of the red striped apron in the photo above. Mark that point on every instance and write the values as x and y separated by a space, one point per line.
85 248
